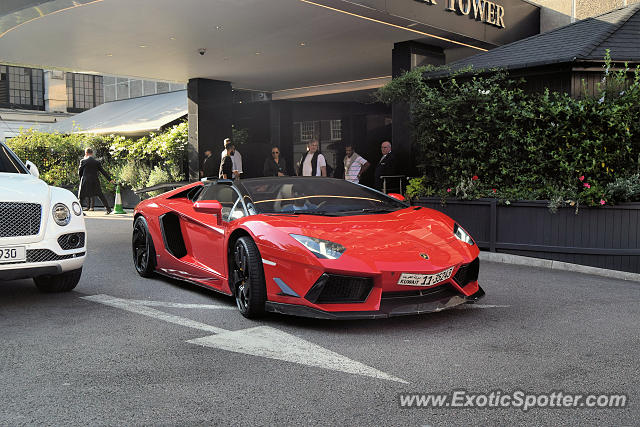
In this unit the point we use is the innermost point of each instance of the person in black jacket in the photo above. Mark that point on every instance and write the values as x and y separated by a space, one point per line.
226 164
386 166
209 167
312 162
89 181
274 165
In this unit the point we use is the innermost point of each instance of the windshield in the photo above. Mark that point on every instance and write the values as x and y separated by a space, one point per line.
9 162
313 195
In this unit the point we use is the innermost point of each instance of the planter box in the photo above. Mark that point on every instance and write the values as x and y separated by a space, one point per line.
605 237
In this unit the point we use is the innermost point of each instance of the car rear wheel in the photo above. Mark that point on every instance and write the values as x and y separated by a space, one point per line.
58 283
144 254
248 278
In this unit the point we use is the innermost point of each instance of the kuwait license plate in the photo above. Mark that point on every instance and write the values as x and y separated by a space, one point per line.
13 254
410 279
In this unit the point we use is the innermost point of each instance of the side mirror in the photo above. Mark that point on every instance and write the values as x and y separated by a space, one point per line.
209 207
33 170
396 196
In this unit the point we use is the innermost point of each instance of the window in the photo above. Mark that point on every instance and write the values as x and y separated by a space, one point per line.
84 91
21 87
336 130
306 131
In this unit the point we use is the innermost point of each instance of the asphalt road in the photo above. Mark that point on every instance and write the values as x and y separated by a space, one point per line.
65 360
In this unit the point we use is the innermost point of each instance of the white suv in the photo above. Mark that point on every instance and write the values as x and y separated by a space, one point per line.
42 232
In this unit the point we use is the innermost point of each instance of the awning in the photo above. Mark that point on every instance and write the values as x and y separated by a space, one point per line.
135 116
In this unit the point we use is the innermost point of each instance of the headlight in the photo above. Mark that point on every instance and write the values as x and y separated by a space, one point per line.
77 209
320 248
462 235
61 214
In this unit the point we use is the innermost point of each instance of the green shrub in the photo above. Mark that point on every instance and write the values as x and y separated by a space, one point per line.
520 145
129 161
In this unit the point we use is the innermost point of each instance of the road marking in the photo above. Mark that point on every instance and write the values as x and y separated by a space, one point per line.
182 305
265 341
483 306
262 341
152 312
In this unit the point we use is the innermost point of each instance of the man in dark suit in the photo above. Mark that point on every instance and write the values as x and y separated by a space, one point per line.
89 182
209 165
386 166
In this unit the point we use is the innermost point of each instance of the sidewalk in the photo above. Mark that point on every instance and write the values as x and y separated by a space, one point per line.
557 265
101 213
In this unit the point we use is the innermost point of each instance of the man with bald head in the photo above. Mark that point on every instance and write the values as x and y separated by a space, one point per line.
386 165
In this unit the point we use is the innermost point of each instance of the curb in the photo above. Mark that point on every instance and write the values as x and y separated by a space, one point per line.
557 265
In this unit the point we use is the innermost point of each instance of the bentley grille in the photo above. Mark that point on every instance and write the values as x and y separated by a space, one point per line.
19 219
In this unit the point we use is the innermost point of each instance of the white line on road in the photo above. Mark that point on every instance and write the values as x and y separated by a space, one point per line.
181 305
262 341
265 341
151 312
483 306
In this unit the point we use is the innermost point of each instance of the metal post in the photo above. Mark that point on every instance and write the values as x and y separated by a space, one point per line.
493 227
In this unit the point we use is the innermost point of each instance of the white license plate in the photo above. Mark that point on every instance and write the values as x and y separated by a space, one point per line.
410 279
13 254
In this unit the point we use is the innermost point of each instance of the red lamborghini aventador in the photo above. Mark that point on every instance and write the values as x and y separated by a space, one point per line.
307 246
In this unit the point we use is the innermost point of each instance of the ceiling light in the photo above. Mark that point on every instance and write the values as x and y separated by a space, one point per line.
219 27
109 54
172 38
143 46
303 44
258 53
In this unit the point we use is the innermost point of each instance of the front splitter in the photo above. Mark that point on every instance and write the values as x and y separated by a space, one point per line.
396 307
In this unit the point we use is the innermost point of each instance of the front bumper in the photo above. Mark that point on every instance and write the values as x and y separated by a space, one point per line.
49 264
389 307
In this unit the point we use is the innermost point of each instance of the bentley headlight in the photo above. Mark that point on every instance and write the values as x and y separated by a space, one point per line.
320 248
462 235
61 214
77 209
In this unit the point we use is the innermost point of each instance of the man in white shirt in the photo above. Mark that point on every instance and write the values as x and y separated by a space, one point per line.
354 165
236 158
312 163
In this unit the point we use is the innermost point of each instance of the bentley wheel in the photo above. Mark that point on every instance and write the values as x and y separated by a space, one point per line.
248 278
63 282
144 254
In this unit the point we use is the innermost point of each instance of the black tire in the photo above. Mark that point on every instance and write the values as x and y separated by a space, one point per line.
247 278
63 282
143 251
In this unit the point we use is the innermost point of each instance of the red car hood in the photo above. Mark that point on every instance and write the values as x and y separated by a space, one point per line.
386 241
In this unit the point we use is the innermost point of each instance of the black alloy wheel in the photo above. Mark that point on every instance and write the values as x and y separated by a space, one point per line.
144 254
248 278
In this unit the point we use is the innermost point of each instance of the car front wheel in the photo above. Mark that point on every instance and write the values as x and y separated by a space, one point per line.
248 278
144 254
59 282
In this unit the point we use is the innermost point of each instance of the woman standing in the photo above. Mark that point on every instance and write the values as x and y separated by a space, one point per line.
275 165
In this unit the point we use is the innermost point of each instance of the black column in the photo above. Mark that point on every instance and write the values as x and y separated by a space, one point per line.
282 131
406 56
210 118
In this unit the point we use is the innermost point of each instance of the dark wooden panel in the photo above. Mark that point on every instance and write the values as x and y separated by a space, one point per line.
600 237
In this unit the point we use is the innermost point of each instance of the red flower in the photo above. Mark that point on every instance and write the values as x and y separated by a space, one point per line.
581 178
586 184
448 190
475 177
494 190
602 202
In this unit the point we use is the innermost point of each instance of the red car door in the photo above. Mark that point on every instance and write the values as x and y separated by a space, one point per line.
205 236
